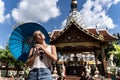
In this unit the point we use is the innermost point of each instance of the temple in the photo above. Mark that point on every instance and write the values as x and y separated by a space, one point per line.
77 40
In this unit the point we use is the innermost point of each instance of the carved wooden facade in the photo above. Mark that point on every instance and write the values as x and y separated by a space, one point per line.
75 39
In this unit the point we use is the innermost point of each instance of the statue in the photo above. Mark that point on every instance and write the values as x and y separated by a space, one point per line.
96 73
88 71
111 67
111 60
63 70
55 75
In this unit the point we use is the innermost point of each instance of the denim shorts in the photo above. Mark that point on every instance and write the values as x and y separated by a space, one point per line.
40 74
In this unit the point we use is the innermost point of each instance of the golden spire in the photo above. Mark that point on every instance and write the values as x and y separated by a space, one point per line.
74 5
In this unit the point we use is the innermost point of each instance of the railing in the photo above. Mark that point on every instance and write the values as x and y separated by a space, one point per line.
9 73
72 77
6 70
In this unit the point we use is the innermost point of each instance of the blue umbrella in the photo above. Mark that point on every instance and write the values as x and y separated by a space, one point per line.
20 40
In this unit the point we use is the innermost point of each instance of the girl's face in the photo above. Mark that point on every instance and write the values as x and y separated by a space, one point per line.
38 37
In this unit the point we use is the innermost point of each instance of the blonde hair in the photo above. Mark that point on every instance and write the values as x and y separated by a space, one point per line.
34 34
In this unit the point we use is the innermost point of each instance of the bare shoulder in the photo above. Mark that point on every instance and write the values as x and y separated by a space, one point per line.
53 46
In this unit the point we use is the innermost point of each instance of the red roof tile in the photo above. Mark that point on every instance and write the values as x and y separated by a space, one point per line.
93 30
55 33
107 36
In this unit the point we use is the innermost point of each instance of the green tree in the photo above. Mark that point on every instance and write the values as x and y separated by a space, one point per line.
7 57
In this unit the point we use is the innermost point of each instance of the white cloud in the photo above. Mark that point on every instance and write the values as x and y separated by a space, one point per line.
116 1
36 10
107 3
2 9
1 47
63 24
3 17
8 16
94 12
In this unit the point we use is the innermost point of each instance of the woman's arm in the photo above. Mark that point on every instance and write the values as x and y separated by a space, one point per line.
31 57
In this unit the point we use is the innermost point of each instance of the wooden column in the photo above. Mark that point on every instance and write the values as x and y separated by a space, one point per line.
104 60
95 53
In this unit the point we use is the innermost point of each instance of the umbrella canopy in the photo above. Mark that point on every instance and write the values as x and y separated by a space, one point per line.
20 40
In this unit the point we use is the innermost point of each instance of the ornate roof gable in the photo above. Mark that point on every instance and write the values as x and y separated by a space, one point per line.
73 32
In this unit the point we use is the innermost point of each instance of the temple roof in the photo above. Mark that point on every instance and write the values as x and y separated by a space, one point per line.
100 34
56 33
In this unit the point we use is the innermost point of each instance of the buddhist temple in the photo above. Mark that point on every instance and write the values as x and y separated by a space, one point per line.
75 39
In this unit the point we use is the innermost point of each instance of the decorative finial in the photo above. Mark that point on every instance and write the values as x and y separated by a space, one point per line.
74 5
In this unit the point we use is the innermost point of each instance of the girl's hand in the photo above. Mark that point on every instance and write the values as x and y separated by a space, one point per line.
39 46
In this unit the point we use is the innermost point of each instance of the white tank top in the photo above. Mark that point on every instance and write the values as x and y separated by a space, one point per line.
45 62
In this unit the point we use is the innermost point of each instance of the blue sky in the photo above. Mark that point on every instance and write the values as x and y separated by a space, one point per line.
52 14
